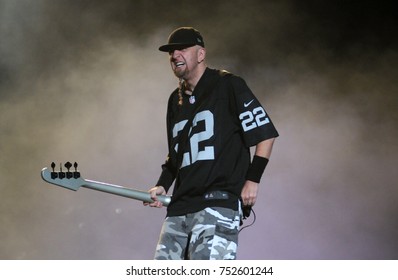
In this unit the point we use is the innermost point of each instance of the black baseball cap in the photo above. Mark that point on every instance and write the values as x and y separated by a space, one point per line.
182 38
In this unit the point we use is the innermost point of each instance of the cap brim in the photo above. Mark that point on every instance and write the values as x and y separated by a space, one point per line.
173 47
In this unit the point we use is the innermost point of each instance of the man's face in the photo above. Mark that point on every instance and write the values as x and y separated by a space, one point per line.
185 61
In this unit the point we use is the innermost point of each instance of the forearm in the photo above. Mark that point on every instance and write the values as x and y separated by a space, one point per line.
167 176
256 169
260 160
264 148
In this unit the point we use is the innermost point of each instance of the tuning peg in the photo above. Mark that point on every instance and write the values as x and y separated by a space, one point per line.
68 165
76 174
54 174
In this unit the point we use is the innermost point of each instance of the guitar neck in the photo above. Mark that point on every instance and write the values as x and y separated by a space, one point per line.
125 192
73 181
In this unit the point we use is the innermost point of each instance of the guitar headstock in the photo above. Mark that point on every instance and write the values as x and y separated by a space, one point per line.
69 179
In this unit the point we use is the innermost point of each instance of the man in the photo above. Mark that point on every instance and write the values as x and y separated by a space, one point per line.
213 119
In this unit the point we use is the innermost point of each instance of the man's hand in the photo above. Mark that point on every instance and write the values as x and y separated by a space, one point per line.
249 193
154 192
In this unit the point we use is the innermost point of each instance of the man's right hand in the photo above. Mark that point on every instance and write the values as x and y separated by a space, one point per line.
154 192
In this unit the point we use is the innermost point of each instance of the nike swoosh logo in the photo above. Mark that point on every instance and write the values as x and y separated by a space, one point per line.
248 103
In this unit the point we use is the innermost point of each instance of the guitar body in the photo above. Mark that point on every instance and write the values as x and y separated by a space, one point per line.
73 181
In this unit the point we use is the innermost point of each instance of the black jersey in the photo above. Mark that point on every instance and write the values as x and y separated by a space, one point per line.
210 162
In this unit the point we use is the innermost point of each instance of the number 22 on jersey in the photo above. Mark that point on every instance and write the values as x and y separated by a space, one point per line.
207 153
252 119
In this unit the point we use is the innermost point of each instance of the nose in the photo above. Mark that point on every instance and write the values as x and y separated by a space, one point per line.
174 53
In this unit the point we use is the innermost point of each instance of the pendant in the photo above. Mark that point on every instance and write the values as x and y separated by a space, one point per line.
192 99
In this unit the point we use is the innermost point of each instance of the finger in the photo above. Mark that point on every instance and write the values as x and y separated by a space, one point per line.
249 202
156 204
146 203
246 202
154 196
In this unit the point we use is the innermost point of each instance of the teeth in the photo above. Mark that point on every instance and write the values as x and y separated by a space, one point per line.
178 64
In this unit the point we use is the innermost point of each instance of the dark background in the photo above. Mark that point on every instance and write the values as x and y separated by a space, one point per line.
83 81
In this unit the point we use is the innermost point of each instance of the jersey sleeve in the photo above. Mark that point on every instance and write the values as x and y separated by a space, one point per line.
167 176
255 122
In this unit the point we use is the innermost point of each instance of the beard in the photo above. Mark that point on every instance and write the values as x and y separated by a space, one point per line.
180 73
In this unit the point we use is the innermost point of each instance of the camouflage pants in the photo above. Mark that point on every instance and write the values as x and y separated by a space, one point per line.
210 234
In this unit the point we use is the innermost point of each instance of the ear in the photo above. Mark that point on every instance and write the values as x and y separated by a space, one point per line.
201 54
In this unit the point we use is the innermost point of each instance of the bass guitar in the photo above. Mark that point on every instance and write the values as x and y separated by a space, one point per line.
71 180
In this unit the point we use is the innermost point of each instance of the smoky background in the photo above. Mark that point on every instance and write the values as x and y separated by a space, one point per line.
83 81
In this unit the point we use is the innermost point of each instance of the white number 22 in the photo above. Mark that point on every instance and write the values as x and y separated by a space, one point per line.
253 119
207 153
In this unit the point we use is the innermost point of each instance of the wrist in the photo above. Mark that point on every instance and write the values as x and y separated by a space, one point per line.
256 169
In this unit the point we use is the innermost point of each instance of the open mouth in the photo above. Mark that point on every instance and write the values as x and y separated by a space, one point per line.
179 64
